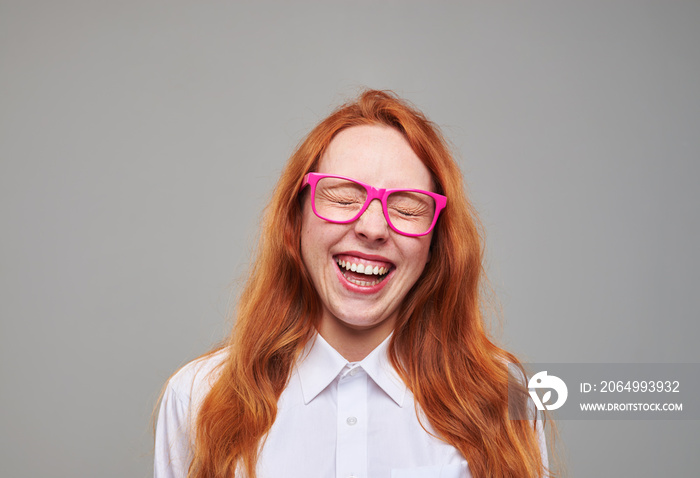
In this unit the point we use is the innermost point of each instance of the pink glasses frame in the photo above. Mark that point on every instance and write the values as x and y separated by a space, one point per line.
311 179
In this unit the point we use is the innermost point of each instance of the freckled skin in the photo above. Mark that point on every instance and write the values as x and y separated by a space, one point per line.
355 323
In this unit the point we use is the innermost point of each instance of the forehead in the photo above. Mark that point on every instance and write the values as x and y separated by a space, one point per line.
378 155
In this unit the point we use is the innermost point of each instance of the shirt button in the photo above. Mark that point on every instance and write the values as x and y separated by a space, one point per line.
351 421
353 372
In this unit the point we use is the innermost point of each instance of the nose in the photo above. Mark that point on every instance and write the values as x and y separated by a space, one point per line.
372 224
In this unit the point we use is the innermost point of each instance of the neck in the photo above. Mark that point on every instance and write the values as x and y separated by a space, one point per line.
354 345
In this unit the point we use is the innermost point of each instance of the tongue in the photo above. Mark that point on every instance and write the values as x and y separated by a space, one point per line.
358 276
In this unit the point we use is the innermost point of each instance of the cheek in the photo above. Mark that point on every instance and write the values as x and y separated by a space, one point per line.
420 252
314 240
419 256
307 227
306 243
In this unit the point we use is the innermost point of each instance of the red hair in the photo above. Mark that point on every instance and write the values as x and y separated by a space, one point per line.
439 347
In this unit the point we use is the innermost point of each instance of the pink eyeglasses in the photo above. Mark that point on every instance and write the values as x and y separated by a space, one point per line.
341 200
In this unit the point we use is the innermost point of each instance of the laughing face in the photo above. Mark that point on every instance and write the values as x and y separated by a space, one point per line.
363 270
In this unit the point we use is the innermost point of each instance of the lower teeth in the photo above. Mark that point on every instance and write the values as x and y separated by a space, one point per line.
364 283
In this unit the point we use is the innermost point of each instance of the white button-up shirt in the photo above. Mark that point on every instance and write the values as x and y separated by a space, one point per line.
334 419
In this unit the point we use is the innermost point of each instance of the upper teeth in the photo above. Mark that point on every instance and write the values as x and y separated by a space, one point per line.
362 268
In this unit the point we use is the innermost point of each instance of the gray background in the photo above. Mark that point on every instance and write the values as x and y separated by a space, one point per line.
139 141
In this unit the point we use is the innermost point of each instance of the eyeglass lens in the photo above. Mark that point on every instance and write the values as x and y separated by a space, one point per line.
341 200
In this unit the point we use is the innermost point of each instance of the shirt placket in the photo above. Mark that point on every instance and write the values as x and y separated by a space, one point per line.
351 442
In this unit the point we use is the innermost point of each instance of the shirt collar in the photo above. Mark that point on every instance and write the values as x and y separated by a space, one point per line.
379 368
320 364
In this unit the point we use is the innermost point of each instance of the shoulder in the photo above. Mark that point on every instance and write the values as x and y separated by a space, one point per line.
191 384
183 395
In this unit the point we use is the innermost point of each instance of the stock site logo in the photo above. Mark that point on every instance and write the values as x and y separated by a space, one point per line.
543 381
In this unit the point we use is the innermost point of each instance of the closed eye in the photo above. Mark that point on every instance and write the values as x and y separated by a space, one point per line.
411 211
337 197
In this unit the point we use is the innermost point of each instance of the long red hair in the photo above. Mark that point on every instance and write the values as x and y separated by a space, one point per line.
440 347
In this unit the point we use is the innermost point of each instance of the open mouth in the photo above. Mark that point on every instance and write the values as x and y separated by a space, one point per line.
361 272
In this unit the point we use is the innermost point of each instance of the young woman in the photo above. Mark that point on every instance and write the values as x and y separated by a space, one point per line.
359 347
